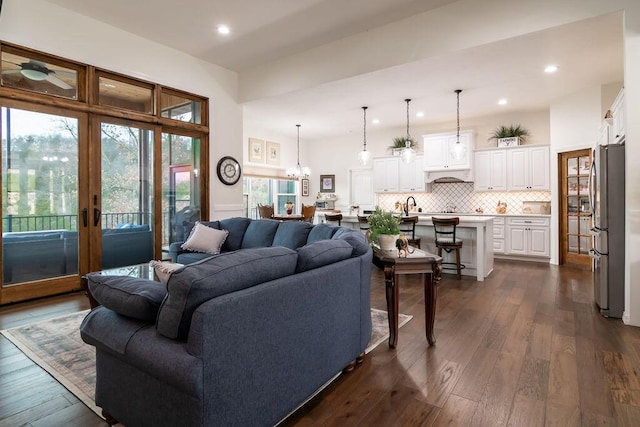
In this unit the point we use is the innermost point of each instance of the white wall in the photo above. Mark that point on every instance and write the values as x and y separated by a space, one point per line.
40 25
574 124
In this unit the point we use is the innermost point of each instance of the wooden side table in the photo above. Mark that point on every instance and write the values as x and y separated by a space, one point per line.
419 261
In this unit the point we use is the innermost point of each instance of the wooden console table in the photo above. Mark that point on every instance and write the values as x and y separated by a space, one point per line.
425 263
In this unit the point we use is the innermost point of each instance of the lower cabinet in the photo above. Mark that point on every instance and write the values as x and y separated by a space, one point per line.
527 236
498 235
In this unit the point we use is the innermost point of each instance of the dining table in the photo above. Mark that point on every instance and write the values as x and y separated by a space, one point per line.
292 217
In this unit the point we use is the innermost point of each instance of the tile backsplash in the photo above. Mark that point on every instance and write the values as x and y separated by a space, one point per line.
464 198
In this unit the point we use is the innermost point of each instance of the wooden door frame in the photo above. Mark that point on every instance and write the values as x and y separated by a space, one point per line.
564 257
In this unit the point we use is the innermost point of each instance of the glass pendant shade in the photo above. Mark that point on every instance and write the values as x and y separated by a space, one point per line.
364 157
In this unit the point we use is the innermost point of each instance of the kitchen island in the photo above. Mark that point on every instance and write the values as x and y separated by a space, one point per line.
475 231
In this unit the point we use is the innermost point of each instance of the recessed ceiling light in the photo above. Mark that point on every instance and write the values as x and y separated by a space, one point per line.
550 69
419 114
223 29
502 101
375 121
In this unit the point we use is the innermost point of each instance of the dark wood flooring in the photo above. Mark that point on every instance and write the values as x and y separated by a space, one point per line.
526 347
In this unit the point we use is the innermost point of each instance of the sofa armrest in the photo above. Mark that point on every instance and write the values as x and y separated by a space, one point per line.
175 249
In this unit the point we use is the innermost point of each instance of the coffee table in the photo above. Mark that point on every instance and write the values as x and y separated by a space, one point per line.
418 261
143 271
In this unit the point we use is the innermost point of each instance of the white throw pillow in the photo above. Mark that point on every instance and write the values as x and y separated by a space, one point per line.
205 239
163 269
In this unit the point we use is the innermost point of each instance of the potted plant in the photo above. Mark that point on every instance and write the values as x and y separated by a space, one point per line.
507 136
384 228
399 143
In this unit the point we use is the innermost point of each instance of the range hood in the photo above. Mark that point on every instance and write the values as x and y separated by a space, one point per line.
465 175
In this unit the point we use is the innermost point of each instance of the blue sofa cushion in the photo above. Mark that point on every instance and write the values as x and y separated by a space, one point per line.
236 227
292 234
321 253
228 272
260 233
356 240
321 232
128 296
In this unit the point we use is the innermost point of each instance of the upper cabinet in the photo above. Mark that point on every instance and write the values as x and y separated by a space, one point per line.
528 168
617 110
490 170
385 175
440 151
411 175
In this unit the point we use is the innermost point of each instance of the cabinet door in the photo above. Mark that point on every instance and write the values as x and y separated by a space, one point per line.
362 188
385 174
517 240
411 175
435 153
617 109
490 170
517 168
538 241
538 164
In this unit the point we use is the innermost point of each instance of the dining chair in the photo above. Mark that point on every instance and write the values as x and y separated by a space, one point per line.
445 233
308 212
265 211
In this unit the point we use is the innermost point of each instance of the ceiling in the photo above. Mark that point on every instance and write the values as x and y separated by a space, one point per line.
588 52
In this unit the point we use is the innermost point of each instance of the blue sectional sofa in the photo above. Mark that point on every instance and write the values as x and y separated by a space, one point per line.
236 339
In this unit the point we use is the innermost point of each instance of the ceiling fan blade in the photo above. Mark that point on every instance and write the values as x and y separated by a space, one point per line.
69 74
10 71
56 81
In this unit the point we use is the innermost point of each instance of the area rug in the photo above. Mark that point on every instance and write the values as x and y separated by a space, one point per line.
56 346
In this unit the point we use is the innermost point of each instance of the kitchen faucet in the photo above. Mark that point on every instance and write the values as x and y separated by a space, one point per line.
406 205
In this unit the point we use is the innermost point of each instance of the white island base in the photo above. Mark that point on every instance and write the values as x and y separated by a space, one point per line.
476 233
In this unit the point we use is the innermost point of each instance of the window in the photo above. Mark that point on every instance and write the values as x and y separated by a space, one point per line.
267 191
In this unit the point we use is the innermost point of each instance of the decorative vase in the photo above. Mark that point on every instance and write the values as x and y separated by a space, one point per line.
387 242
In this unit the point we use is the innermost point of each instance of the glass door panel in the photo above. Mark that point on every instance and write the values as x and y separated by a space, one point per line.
39 197
126 206
180 186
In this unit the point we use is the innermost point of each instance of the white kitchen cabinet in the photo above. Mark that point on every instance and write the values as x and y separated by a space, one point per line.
617 110
440 149
528 168
527 236
411 175
498 236
385 175
490 170
361 188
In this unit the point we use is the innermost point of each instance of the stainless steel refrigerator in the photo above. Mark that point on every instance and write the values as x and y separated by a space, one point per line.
606 194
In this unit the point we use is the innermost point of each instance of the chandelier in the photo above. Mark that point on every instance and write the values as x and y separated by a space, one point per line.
364 156
298 172
459 149
408 154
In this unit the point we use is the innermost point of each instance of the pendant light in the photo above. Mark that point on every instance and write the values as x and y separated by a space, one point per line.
364 156
408 154
298 172
459 149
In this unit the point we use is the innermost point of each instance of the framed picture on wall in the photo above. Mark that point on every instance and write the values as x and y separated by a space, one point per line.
327 183
305 187
273 153
256 150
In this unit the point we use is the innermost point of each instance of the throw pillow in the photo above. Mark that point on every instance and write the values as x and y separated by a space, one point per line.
205 239
322 252
129 296
164 269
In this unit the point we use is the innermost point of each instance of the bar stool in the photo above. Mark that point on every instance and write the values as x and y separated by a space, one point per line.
333 218
408 227
363 222
445 230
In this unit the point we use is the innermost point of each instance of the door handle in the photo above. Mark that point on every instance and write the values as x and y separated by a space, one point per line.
85 216
96 216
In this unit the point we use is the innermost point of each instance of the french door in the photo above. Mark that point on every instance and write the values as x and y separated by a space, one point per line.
44 186
575 211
